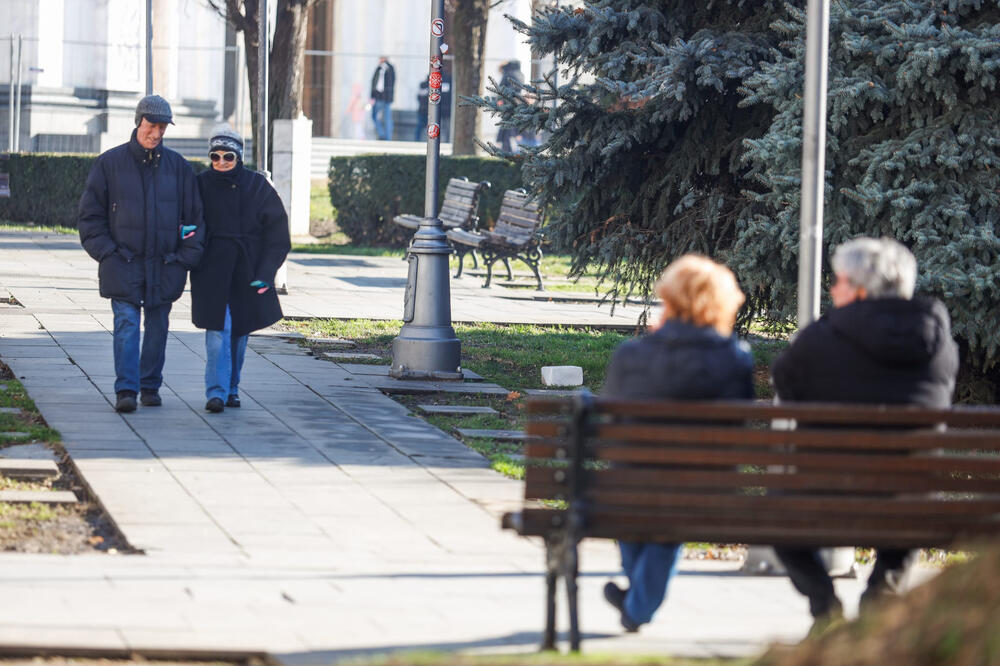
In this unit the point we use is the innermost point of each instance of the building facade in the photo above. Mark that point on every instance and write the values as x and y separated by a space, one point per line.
83 67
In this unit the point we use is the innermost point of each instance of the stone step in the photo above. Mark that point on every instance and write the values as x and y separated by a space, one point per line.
40 496
506 435
359 355
20 469
457 409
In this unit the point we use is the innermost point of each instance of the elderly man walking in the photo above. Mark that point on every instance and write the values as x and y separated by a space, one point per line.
140 217
879 345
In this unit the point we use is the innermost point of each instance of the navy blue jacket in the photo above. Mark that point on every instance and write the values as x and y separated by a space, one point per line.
129 220
681 361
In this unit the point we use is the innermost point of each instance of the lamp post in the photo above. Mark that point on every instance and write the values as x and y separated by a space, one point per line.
426 347
149 47
262 65
813 160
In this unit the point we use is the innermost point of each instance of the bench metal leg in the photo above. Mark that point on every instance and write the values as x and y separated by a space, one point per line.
534 259
510 273
570 572
461 260
488 260
552 562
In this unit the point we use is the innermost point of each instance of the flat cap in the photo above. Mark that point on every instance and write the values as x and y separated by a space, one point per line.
155 109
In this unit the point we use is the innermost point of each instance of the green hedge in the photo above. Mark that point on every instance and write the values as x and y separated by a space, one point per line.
45 189
369 190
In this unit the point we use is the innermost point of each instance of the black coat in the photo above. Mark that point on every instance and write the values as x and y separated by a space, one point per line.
247 240
388 85
129 220
680 361
883 351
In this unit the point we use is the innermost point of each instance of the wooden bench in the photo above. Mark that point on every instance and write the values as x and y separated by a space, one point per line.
677 472
516 235
459 210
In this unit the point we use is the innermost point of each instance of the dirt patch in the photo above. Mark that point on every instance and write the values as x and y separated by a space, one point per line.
38 527
63 529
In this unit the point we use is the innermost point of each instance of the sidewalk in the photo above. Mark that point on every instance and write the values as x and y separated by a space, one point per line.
320 520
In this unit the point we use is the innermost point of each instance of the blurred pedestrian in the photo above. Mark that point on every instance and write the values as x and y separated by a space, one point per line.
232 290
383 85
510 80
140 216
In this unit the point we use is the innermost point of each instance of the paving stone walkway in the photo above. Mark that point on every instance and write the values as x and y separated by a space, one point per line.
321 519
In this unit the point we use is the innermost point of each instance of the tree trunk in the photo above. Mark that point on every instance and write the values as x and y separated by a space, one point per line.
286 61
288 55
468 37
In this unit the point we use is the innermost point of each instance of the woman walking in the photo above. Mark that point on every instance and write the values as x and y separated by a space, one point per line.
232 290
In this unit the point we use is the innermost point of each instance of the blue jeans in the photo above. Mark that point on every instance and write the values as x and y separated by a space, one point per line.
649 568
135 369
223 361
382 115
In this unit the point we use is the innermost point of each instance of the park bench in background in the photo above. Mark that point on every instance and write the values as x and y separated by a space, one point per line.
516 235
459 210
846 475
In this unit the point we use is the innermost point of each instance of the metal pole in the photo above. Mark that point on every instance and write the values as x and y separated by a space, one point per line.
149 47
426 347
813 160
17 107
10 100
262 84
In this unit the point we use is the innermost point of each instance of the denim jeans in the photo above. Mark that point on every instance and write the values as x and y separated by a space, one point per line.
134 369
382 115
649 568
223 361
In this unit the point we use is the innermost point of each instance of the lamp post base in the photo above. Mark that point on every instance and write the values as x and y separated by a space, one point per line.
426 352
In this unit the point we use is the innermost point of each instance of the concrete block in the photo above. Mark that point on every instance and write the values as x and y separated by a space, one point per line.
562 375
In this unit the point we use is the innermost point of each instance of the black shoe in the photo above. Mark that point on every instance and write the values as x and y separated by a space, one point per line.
125 401
233 400
214 405
616 597
150 398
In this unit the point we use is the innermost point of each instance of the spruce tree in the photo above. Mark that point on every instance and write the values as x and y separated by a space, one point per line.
641 161
913 136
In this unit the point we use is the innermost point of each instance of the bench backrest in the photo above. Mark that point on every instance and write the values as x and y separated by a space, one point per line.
461 203
519 219
689 471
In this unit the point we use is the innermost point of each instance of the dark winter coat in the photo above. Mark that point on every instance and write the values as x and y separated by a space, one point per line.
681 361
886 350
129 220
247 240
388 86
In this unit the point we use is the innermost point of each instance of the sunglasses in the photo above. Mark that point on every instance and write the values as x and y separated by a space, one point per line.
227 157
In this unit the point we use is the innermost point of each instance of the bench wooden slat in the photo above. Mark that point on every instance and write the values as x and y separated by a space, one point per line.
542 482
854 439
828 461
804 413
749 530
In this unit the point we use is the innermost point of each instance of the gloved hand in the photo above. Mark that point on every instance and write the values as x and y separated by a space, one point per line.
261 286
187 230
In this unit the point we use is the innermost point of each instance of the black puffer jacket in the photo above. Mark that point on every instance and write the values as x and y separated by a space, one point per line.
680 361
882 351
129 220
247 240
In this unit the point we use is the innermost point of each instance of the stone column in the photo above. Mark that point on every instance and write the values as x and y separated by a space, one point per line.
291 154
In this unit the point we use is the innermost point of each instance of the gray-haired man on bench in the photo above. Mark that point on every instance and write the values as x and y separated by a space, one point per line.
879 344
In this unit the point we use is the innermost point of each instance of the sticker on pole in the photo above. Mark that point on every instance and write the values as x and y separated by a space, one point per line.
437 27
434 98
436 62
434 81
433 130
